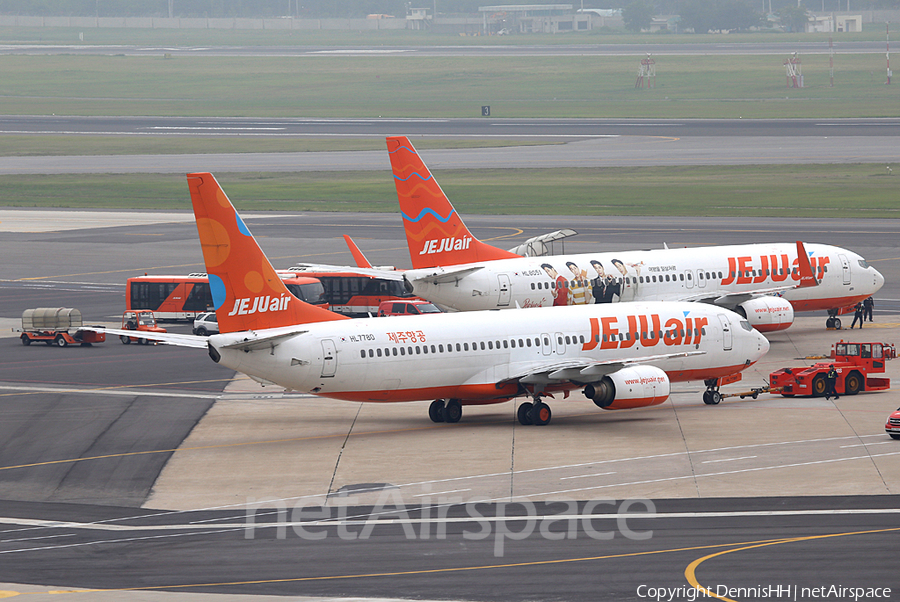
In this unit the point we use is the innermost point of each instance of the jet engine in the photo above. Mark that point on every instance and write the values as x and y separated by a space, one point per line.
767 314
631 387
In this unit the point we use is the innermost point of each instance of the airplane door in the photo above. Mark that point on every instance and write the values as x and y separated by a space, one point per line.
546 344
626 290
701 279
688 279
329 357
560 343
845 268
727 338
505 290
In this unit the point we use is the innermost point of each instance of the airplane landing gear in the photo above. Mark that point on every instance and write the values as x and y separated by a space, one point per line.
450 412
833 321
536 412
436 410
712 396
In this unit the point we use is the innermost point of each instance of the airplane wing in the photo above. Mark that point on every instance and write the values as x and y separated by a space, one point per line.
166 338
585 370
386 273
728 299
439 275
358 257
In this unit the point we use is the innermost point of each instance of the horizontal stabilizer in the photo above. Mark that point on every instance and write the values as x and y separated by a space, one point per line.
537 245
167 338
254 341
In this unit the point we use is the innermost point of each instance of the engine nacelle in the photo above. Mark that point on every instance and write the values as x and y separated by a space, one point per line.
767 314
632 387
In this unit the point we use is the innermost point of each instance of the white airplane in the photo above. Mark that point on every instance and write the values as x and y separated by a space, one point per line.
621 356
766 283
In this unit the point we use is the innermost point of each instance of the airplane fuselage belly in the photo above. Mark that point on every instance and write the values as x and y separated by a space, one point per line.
472 356
660 275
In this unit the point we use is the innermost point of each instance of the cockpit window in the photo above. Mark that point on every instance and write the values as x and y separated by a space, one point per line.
863 263
746 326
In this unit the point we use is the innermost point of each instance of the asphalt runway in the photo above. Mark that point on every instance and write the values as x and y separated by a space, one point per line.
134 466
580 143
494 50
784 543
483 127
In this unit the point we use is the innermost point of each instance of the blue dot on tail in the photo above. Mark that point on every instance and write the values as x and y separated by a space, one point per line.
217 287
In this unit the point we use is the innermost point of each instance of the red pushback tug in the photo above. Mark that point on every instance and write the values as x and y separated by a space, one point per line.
141 320
853 362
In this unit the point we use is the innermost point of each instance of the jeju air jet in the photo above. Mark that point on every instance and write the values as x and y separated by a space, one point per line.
621 356
765 283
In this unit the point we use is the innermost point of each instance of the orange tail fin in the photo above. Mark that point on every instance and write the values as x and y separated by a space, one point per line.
807 278
247 293
435 233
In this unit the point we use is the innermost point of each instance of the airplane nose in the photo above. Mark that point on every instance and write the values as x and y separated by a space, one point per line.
879 280
762 345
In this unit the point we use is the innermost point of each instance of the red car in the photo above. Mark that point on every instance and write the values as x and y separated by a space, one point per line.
892 427
406 308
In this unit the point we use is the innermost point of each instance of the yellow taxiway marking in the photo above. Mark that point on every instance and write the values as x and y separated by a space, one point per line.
690 571
876 325
117 387
457 569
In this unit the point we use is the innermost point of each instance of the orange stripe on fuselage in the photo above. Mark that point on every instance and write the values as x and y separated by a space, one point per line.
825 304
487 393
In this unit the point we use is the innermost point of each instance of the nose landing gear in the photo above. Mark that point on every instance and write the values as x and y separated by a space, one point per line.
712 396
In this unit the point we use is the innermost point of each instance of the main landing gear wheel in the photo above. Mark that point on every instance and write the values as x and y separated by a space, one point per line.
524 413
833 322
712 398
540 414
436 410
452 411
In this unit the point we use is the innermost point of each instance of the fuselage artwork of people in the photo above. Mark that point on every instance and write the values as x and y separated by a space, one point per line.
622 356
765 283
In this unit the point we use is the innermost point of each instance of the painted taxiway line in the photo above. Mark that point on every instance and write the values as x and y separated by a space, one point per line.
118 392
53 524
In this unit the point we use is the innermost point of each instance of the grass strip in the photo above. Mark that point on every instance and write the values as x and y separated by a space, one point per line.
839 191
437 87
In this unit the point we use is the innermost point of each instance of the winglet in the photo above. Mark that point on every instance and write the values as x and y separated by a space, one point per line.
247 293
435 233
807 278
358 257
